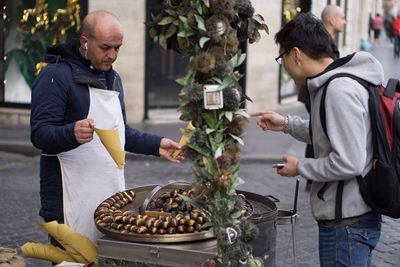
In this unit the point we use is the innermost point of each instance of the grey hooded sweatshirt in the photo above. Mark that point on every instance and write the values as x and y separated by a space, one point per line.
348 151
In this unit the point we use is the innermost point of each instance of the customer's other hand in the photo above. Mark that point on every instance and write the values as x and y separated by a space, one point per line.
83 131
290 168
167 148
269 120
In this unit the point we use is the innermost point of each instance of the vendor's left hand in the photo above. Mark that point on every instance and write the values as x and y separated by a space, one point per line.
167 148
290 168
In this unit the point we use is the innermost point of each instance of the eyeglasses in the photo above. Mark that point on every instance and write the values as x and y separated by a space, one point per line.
279 58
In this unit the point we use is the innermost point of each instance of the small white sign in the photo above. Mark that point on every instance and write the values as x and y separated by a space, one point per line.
213 98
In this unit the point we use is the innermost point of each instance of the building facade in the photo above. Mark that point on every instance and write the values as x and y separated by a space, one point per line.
148 73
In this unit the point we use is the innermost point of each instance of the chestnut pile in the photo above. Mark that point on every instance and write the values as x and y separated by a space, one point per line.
175 216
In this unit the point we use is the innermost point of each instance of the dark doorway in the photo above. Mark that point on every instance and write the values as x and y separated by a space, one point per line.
163 67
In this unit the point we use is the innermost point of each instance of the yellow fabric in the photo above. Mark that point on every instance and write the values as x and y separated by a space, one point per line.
45 252
78 248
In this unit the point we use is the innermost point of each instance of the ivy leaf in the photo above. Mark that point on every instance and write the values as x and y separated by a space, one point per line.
264 27
247 98
225 83
241 59
199 9
187 79
201 150
186 33
200 23
183 19
166 20
211 120
171 31
258 18
229 115
219 151
203 40
242 112
218 80
163 42
237 214
208 130
185 199
206 3
206 225
237 138
171 12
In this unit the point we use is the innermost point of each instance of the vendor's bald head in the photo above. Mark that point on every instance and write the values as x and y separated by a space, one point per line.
101 39
334 19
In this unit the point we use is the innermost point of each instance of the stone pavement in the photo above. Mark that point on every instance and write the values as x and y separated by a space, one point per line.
19 184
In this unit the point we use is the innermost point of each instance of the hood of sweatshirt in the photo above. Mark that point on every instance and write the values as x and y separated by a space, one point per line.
361 64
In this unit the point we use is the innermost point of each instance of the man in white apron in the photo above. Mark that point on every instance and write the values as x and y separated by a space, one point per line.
79 90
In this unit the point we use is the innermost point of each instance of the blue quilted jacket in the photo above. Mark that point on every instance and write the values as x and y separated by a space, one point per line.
60 97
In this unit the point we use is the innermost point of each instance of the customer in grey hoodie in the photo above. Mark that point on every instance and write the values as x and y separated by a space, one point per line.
348 229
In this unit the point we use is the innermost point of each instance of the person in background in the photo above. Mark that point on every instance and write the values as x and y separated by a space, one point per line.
348 229
377 24
388 26
370 28
77 91
396 35
334 19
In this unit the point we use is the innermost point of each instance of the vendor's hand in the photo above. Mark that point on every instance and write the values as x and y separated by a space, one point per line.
167 148
270 120
83 131
290 168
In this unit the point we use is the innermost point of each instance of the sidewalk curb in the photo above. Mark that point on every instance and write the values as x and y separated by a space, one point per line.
26 149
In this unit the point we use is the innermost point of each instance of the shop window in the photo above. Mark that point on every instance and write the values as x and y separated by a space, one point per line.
290 8
28 28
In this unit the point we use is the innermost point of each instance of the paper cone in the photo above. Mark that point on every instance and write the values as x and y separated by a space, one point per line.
111 141
186 133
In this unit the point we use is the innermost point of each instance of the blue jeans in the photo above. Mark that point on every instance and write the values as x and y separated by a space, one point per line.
349 245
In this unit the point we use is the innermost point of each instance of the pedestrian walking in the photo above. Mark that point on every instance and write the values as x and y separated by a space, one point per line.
377 24
396 35
388 26
76 91
348 229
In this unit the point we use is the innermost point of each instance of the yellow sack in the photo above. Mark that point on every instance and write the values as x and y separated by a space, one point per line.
45 252
79 247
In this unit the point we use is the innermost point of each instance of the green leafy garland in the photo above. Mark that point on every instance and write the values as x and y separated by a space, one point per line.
210 31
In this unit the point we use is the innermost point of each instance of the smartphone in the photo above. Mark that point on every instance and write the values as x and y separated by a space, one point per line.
278 165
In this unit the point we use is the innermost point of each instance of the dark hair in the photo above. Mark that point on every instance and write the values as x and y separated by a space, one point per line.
307 33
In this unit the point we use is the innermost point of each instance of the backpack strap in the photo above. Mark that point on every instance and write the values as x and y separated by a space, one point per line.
392 87
322 112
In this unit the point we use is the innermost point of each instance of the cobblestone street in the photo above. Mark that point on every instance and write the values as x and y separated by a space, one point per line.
20 197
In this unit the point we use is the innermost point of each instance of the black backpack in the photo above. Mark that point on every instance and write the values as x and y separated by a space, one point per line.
380 188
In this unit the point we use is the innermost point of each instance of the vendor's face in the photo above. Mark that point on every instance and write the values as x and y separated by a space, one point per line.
103 47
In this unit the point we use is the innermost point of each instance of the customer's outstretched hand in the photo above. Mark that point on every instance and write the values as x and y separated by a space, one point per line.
167 148
269 120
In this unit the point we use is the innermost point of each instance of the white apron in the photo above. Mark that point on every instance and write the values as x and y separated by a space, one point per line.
89 174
